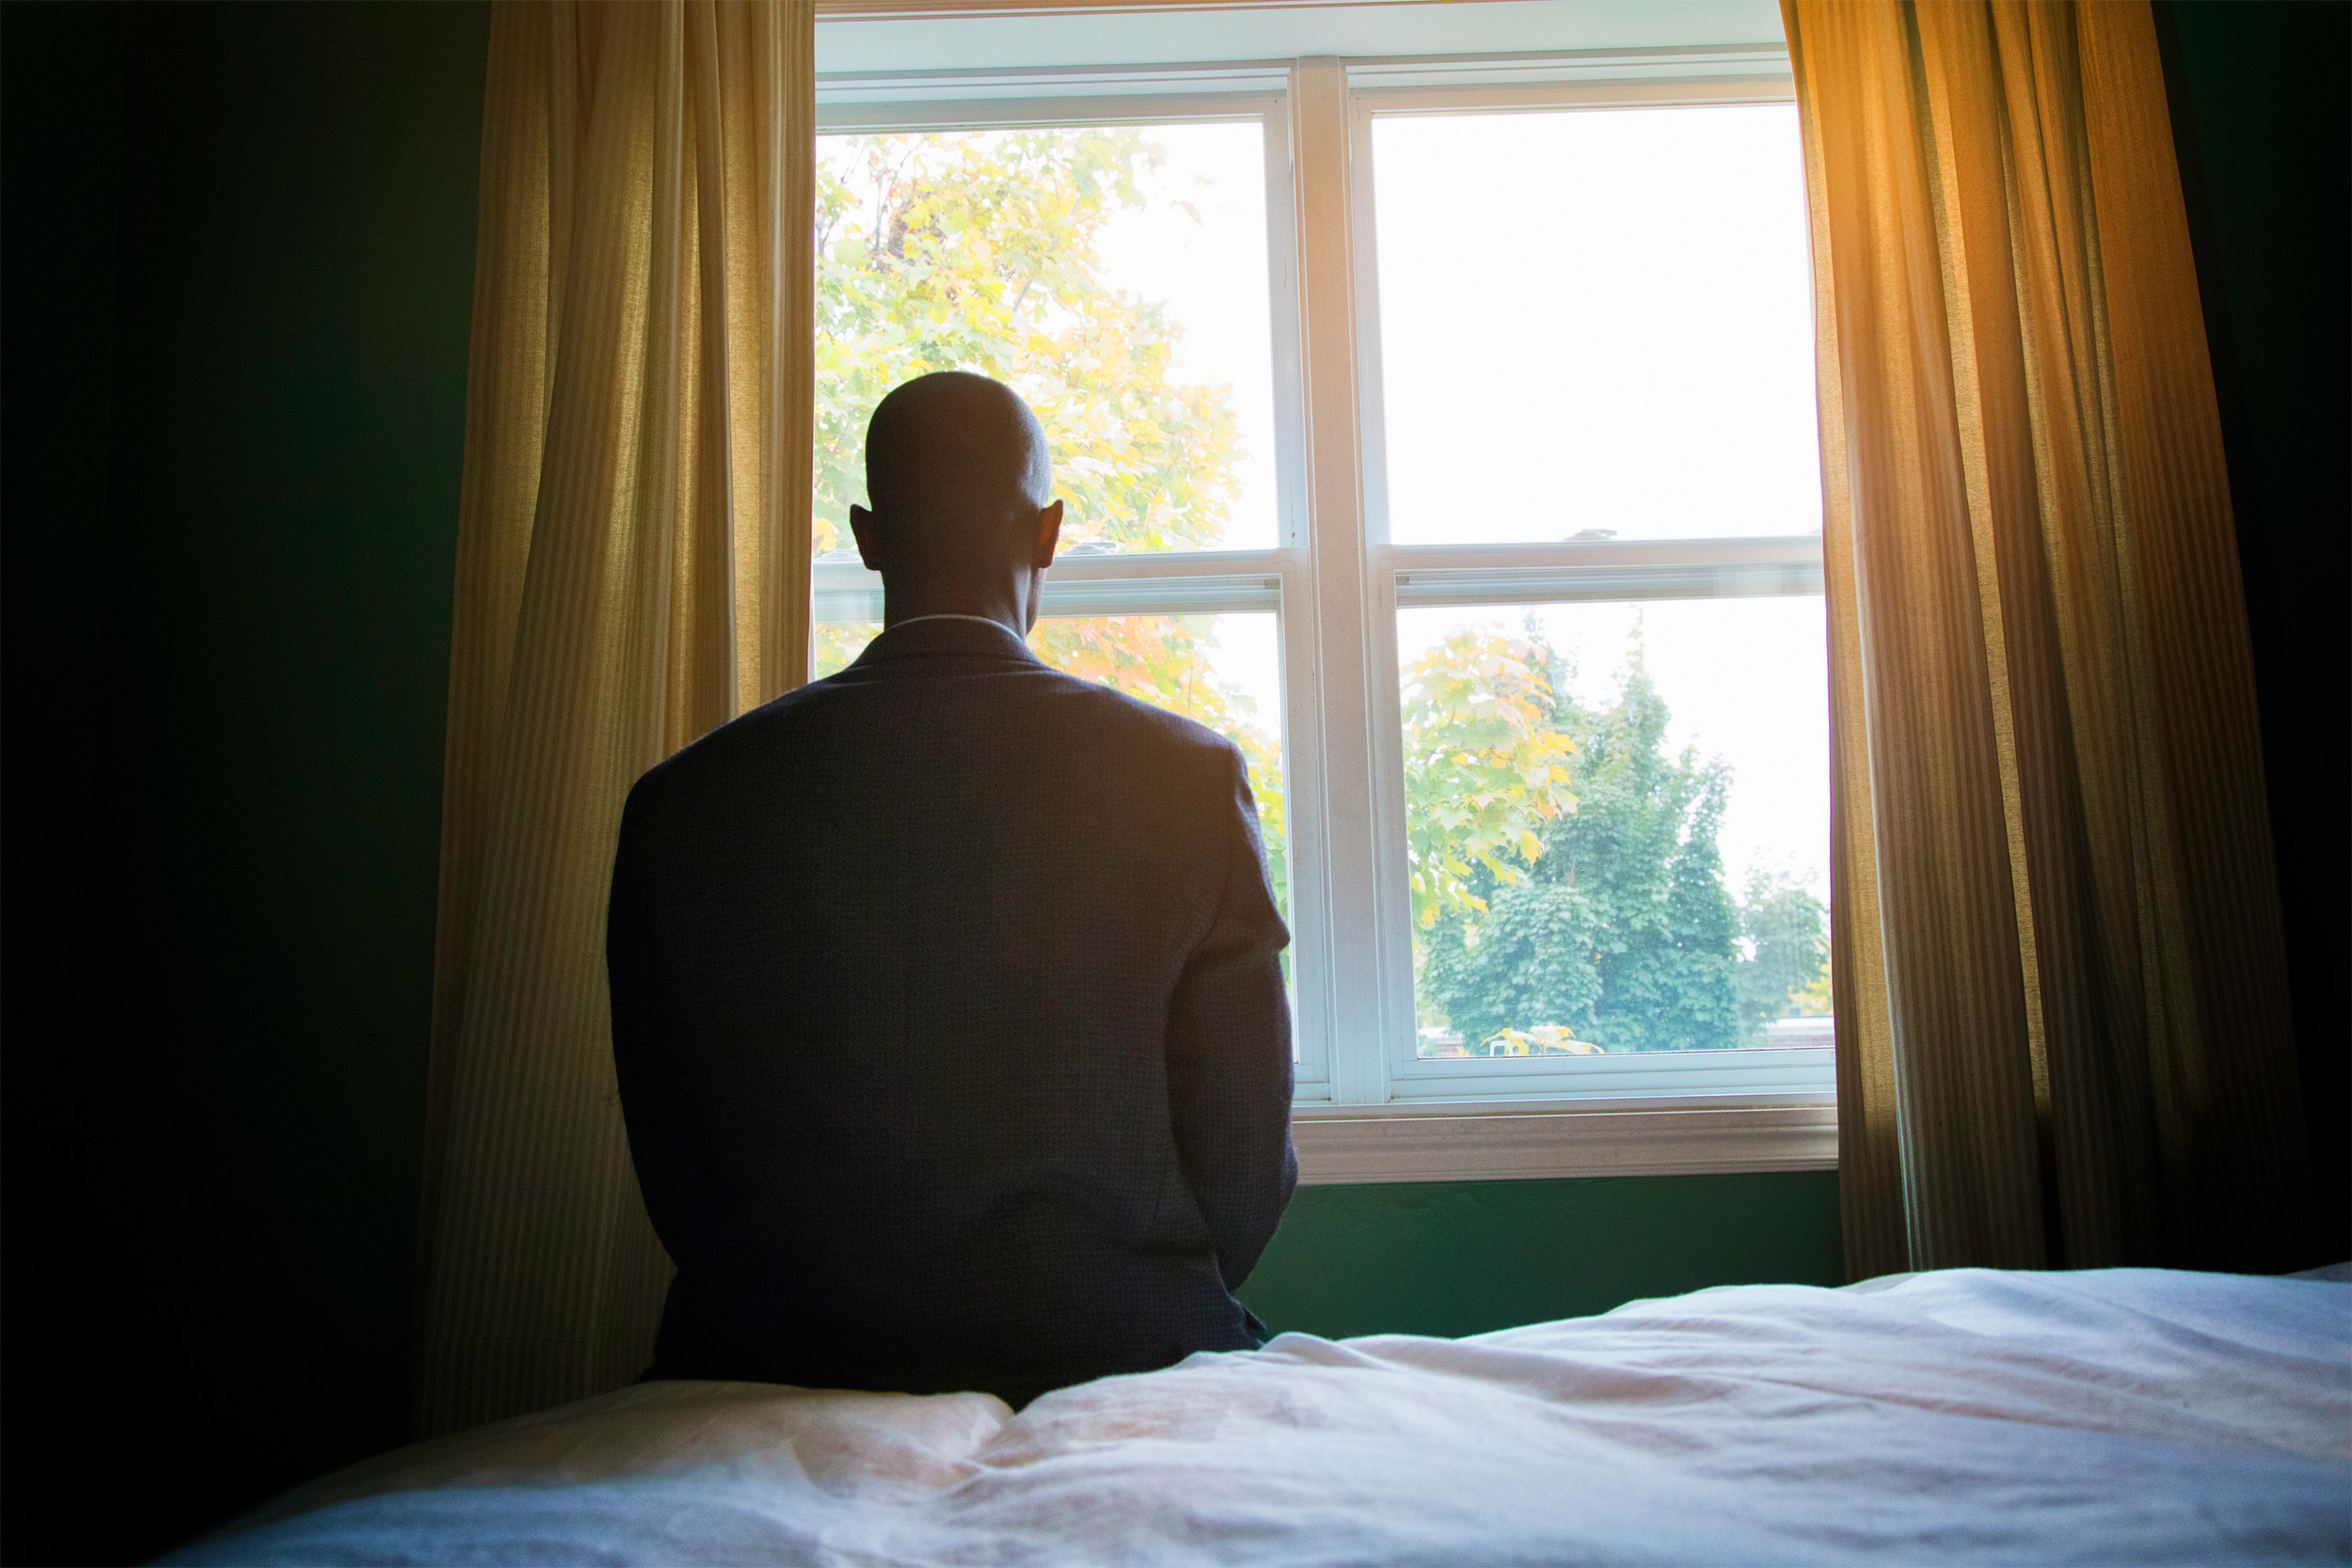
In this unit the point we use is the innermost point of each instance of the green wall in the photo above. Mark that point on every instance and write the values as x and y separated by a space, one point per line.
1452 1258
238 270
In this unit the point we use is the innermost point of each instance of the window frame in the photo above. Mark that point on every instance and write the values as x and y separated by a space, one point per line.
1368 1107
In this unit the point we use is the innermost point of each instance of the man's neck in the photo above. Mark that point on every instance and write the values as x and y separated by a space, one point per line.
948 615
1008 607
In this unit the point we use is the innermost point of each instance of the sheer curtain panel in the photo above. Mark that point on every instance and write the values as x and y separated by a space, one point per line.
2063 1033
632 570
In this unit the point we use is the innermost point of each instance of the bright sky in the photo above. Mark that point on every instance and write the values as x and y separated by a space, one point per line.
1246 652
1599 319
1210 270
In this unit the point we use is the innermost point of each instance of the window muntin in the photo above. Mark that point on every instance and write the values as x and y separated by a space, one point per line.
1116 275
1617 825
1628 291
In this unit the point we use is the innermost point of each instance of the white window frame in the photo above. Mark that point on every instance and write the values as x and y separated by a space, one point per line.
1369 1108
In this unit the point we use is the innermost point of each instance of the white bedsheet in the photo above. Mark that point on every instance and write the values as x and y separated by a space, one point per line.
2124 1416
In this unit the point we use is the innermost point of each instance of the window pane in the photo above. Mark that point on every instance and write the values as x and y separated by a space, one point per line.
1597 320
1618 826
1224 669
1116 276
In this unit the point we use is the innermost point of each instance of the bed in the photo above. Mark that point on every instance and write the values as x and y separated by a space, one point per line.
1969 1416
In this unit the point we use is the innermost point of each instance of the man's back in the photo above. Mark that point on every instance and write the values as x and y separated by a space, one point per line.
951 1028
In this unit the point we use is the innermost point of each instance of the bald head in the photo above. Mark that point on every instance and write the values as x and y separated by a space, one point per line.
954 445
961 487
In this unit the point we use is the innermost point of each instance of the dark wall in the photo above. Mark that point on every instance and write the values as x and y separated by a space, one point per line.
2263 122
239 259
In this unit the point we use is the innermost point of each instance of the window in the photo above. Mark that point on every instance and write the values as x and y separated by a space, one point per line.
1442 432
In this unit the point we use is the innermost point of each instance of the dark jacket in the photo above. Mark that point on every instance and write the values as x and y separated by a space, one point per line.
951 1034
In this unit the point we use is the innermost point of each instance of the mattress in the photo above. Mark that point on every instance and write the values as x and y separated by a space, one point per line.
1968 1416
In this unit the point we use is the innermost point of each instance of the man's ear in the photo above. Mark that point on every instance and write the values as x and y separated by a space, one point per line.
868 535
1048 536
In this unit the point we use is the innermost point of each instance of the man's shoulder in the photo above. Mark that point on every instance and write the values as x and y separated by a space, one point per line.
719 751
1090 702
809 714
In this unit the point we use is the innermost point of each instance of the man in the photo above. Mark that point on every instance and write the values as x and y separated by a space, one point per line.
945 999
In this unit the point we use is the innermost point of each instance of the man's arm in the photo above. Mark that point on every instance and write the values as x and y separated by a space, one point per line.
648 1104
1228 1050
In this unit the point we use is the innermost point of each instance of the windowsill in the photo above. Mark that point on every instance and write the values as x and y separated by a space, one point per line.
1491 1140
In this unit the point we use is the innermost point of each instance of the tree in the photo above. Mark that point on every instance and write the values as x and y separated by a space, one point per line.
1787 932
1485 769
1620 930
979 251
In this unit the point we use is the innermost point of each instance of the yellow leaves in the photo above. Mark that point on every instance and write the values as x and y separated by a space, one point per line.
978 251
1483 766
1544 1039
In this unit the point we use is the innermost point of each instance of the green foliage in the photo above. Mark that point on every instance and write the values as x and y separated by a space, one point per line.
1485 769
1787 931
1528 960
1619 929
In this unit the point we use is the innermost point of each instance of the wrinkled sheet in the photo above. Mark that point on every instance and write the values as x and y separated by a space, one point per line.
2120 1416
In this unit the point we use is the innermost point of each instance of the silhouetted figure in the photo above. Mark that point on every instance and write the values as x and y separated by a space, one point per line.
951 1034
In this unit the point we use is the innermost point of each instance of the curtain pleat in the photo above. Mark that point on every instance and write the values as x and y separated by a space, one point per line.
633 571
2057 958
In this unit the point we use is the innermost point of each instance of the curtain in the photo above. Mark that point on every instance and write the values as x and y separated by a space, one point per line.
2063 1033
632 569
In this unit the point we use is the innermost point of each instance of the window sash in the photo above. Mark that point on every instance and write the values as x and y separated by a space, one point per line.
1565 572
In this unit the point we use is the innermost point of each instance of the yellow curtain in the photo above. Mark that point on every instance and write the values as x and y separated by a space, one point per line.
632 570
2063 1033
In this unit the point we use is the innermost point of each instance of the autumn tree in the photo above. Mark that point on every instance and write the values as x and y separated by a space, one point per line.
981 251
1619 931
1485 769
